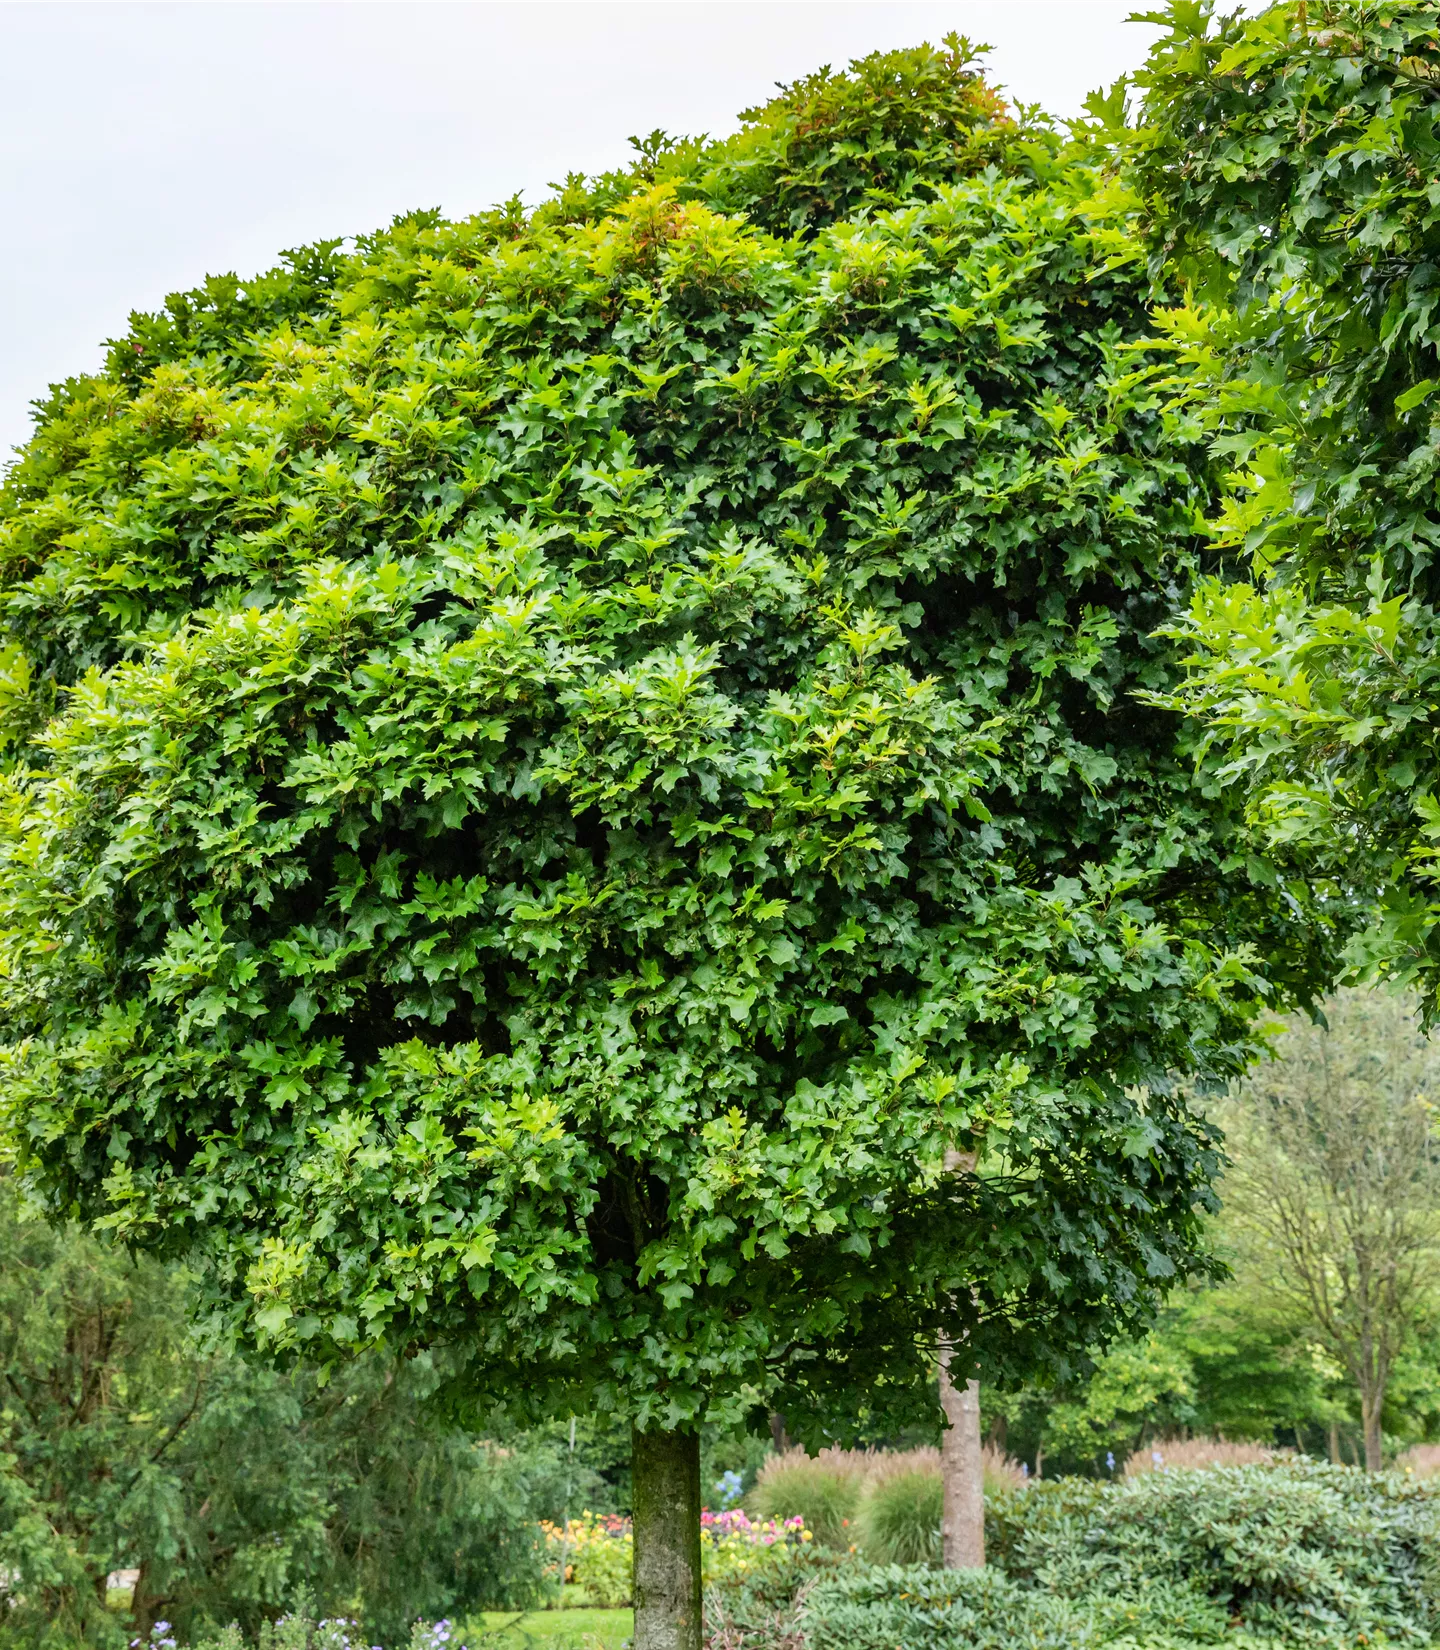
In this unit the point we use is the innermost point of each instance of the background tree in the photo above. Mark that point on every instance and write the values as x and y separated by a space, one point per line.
124 1445
1251 1361
1337 1179
1285 165
561 762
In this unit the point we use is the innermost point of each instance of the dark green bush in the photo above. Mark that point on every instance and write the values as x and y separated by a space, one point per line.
1295 1553
1013 1520
1301 1545
898 1608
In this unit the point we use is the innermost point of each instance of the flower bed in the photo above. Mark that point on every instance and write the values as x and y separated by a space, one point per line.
598 1551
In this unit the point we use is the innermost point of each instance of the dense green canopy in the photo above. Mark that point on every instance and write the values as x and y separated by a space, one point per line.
558 761
1287 166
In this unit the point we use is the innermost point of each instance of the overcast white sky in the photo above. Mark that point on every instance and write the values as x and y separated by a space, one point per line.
144 145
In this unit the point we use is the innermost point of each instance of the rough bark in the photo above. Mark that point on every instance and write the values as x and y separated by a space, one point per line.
665 1470
962 1520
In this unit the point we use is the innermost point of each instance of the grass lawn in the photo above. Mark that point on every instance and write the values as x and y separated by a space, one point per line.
549 1629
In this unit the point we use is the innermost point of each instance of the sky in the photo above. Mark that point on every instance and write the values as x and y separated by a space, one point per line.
144 145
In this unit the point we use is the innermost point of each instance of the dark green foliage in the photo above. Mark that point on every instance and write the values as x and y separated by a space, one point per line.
893 1608
1286 163
1252 1372
560 762
123 1445
1284 1555
1298 1546
901 1519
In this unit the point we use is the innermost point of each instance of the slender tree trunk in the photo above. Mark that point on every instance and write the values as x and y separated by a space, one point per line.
778 1435
1335 1442
1370 1406
143 1614
962 1523
665 1471
962 1520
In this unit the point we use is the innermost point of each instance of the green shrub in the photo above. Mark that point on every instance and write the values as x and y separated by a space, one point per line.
1298 1547
924 1609
1016 1518
299 1629
900 1518
1298 1552
825 1492
761 1610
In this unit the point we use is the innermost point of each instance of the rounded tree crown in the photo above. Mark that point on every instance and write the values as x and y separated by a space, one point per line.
559 762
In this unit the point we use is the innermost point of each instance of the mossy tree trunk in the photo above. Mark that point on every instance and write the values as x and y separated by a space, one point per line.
665 1471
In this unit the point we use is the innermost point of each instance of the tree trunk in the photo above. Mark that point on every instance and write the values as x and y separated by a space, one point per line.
1335 1443
962 1519
962 1523
665 1471
1370 1405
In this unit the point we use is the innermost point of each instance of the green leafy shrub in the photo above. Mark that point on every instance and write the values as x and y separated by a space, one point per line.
595 1554
761 1610
824 1490
1298 1545
1291 1553
1015 1518
900 1517
924 1609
